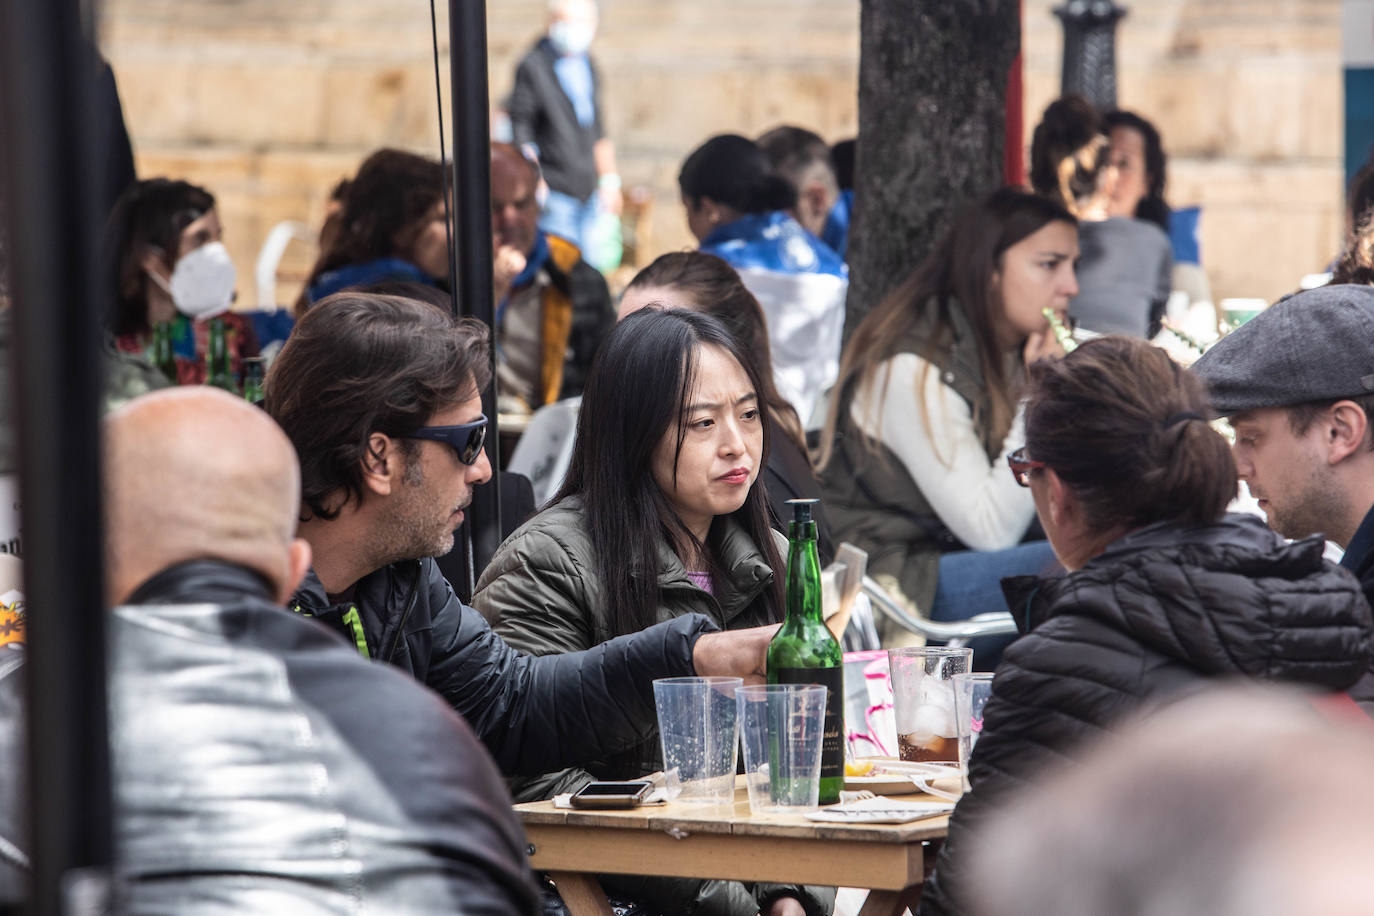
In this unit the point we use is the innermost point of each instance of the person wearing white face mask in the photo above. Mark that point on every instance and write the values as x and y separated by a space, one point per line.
557 119
169 266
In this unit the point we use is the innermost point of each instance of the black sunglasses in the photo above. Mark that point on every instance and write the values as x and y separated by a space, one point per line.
1021 466
466 439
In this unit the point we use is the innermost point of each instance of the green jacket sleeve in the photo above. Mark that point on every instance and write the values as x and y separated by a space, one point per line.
535 597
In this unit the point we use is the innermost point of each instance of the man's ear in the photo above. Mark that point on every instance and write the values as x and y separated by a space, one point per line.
1347 429
297 563
382 464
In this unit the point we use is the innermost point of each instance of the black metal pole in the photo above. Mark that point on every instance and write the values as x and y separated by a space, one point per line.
1089 66
53 214
467 29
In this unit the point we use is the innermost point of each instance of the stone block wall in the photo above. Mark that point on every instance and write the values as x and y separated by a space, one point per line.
268 103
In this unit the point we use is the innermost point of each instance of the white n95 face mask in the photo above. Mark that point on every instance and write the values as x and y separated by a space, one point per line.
202 284
571 37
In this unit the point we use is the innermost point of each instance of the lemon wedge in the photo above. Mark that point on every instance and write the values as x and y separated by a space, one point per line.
858 768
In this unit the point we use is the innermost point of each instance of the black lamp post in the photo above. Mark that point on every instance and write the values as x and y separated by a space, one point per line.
1090 50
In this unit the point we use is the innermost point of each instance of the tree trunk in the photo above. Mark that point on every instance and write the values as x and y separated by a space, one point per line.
932 112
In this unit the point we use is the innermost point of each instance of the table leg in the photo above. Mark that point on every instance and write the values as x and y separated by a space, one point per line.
891 903
581 893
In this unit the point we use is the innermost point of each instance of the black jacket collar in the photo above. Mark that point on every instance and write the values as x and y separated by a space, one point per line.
203 581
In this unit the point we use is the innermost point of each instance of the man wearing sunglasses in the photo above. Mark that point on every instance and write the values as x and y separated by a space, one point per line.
381 397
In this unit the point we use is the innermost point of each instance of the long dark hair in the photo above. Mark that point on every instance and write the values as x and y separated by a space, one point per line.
636 394
959 269
732 170
1152 207
1126 429
716 290
150 214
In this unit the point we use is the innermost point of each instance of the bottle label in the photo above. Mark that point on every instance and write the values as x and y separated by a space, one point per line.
832 742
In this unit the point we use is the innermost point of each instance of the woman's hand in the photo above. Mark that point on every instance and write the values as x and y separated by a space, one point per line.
1042 344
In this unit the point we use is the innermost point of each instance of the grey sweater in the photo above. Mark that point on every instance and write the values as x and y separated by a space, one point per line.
1125 270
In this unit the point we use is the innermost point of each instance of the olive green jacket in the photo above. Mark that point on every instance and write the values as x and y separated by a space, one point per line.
872 501
542 595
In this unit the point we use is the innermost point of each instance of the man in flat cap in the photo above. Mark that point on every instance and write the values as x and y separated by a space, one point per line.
1297 385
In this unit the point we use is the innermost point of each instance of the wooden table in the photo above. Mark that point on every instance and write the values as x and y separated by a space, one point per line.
687 841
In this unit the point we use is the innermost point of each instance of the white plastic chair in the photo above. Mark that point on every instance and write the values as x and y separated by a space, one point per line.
545 448
269 258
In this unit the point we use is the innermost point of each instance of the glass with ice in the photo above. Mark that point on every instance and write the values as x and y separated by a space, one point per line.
923 701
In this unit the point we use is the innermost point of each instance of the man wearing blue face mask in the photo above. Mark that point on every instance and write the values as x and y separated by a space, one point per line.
169 269
556 118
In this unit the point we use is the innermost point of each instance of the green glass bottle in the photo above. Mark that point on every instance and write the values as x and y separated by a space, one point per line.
163 356
217 359
252 379
804 651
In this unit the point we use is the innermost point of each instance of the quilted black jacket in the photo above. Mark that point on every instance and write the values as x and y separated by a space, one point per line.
1162 611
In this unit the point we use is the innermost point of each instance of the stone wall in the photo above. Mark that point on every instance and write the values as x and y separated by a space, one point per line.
269 103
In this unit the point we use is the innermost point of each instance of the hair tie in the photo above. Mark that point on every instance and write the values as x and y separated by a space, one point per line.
1181 417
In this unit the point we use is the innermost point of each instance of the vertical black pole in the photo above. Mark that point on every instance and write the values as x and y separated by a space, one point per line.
53 212
1089 67
467 28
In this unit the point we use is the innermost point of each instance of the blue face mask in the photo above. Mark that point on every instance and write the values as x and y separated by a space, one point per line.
569 37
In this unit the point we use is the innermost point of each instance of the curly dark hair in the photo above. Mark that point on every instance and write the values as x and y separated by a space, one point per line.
391 193
358 364
1356 264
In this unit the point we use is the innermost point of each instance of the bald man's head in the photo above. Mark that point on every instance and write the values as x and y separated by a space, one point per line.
194 473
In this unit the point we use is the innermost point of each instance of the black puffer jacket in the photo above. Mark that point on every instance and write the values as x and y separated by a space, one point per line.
1163 610
533 714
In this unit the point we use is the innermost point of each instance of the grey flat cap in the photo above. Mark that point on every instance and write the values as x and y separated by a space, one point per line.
1317 345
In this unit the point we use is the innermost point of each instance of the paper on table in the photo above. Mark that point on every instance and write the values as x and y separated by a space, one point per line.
879 811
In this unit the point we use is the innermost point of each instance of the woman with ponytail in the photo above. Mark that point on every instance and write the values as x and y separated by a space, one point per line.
737 209
1125 270
1165 592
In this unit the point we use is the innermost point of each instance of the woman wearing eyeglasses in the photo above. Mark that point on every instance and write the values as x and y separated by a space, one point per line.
925 410
1164 591
660 515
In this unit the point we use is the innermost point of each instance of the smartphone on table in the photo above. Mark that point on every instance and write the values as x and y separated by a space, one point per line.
612 794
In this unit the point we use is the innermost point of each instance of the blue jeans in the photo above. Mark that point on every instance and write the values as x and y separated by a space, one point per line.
586 225
970 584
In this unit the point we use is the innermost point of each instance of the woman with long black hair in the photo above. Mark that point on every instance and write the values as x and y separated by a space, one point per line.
704 283
660 515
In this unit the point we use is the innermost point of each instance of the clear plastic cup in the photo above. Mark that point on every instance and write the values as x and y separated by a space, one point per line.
923 701
971 693
781 727
697 726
